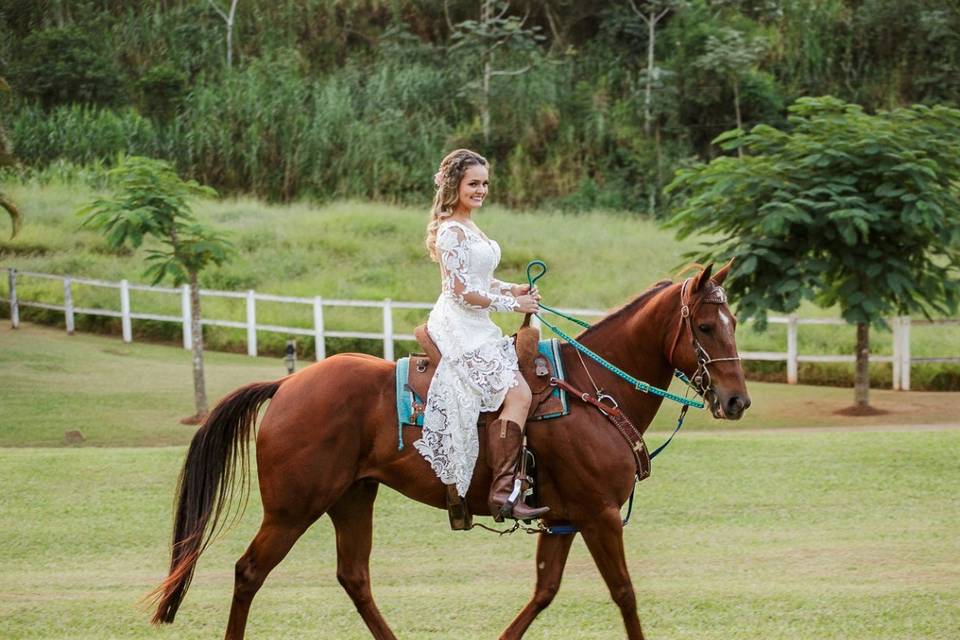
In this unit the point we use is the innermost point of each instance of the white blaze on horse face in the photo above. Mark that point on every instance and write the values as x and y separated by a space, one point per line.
726 321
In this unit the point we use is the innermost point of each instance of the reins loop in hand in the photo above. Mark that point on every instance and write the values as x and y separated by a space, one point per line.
639 385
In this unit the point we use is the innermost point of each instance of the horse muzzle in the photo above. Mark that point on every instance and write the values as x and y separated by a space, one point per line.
727 406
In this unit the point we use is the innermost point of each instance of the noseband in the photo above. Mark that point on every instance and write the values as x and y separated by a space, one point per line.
701 377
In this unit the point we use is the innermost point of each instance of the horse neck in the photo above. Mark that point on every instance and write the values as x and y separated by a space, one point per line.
636 343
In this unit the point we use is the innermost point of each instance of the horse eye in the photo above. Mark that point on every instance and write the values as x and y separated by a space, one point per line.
705 328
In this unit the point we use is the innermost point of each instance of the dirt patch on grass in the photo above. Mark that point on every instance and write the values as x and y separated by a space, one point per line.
785 405
861 411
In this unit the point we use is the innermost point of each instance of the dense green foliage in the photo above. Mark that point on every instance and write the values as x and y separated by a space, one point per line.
842 208
360 99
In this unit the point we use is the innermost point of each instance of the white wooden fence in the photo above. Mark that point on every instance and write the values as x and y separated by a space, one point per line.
901 358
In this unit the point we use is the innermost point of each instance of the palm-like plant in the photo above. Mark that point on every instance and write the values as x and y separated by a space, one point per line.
7 160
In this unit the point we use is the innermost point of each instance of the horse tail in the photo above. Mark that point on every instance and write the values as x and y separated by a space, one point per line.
218 451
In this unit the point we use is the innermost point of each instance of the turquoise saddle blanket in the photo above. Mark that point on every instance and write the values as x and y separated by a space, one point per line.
406 398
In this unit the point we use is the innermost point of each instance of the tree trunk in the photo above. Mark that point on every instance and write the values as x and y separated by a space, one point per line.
486 11
196 330
736 107
861 385
648 98
485 99
230 20
659 184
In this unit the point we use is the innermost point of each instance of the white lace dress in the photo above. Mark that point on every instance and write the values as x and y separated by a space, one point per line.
478 365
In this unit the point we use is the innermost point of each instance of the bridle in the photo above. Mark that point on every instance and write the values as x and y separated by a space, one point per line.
700 380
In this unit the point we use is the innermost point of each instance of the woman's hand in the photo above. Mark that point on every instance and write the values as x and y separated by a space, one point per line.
528 304
524 289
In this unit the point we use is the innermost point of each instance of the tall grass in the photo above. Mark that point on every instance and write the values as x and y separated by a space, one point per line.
81 134
371 130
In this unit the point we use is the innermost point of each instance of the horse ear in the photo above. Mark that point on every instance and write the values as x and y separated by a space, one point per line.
721 275
702 278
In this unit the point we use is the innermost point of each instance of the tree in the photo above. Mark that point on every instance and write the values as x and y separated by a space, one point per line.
483 37
731 56
151 201
844 209
7 160
653 12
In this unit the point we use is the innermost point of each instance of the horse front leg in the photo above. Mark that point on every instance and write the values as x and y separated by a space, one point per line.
352 517
552 552
604 538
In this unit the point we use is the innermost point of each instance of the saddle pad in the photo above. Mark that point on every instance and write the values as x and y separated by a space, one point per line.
406 397
410 404
551 350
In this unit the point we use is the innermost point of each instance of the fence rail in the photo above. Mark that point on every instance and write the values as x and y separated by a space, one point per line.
900 359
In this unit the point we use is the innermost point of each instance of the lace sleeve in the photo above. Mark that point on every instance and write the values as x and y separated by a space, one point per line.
454 249
497 286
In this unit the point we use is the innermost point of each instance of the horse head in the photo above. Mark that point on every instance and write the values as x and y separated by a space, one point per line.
703 345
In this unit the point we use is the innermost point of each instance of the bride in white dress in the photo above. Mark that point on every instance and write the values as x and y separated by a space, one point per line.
478 368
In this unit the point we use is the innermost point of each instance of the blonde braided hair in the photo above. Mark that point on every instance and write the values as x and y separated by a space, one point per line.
447 181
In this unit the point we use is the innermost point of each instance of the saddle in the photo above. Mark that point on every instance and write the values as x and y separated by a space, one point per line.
535 368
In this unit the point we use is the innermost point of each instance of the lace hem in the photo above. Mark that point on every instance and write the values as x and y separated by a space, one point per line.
462 387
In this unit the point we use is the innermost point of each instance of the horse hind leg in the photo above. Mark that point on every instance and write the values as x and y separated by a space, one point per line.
352 518
271 544
552 552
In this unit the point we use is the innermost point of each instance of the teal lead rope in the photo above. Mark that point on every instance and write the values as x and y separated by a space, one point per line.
639 385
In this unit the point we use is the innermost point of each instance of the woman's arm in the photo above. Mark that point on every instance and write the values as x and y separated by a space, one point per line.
505 288
454 254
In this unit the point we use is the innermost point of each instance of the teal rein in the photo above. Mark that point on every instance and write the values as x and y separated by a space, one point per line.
639 385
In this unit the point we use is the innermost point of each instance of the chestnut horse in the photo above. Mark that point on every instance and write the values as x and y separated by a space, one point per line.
328 439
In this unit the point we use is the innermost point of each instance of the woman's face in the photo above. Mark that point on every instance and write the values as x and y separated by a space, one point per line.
473 188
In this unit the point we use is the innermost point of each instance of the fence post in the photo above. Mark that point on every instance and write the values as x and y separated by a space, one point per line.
905 354
125 311
251 323
792 368
387 329
895 327
14 304
68 305
319 345
186 314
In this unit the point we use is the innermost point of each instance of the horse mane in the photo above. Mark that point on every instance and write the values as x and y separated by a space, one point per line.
630 307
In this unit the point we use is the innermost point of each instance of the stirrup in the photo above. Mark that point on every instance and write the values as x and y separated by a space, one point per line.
506 510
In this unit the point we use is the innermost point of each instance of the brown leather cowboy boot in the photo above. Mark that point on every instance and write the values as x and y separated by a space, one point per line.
504 443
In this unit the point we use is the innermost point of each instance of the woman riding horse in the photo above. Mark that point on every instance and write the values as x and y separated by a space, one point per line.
478 370
328 440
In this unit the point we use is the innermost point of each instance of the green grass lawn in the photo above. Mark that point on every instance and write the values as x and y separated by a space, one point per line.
840 535
741 532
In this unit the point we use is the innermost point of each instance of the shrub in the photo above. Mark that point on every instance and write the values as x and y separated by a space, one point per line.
161 90
63 65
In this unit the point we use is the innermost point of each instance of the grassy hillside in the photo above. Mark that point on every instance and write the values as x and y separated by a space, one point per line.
373 251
